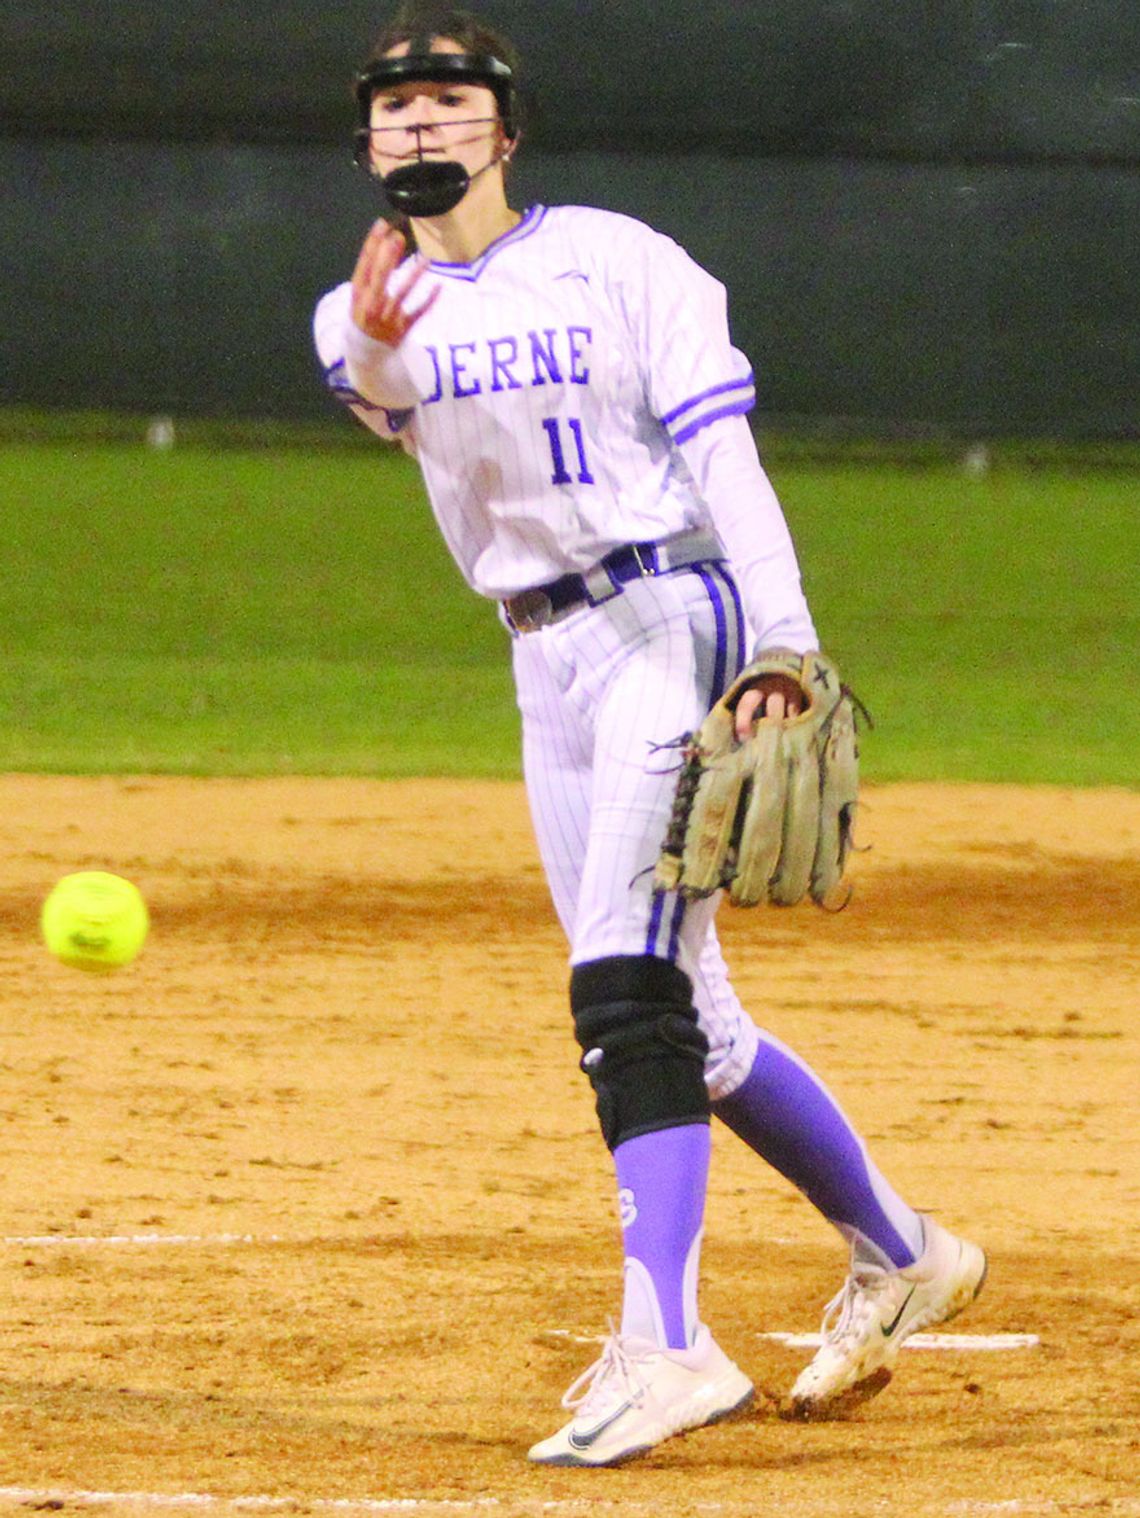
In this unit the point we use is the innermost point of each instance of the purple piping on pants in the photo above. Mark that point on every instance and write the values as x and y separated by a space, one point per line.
655 921
714 595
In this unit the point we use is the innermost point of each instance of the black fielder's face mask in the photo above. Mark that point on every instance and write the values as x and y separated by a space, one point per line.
430 183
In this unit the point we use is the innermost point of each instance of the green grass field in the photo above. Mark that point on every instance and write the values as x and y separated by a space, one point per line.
290 609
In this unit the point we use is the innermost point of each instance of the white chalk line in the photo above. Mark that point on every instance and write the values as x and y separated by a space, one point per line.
93 1240
254 1503
189 1240
265 1502
813 1341
922 1341
1046 1505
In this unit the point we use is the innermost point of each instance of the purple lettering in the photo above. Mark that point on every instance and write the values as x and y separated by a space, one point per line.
579 376
458 372
544 354
501 366
438 395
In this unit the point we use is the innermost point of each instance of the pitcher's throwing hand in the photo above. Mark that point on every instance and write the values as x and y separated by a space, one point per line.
382 313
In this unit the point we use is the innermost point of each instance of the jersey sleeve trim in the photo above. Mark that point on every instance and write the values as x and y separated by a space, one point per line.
748 382
736 408
733 398
336 377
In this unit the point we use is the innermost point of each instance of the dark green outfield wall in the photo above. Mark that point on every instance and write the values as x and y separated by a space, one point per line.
925 213
1005 78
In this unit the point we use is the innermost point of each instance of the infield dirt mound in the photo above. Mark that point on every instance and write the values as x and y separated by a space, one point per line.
339 1093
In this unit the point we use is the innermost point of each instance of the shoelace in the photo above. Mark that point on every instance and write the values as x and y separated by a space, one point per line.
612 1377
846 1313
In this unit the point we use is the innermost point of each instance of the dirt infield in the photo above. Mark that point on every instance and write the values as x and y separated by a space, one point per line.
306 1211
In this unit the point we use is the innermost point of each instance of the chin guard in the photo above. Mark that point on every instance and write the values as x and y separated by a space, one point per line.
431 187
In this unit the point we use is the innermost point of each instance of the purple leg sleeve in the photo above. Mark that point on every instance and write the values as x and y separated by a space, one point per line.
788 1117
662 1178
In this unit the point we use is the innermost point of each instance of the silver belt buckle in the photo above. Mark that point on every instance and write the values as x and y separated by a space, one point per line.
530 610
643 568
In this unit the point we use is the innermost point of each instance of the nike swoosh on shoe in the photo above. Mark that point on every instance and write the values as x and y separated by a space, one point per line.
584 1441
889 1328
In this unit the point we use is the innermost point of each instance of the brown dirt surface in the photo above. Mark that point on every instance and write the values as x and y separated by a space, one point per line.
306 1210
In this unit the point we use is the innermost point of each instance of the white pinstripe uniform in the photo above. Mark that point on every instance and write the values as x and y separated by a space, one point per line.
572 391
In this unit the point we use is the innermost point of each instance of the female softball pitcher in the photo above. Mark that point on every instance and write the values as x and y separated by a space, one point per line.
565 378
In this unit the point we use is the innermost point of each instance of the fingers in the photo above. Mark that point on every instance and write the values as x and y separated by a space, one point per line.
746 713
377 310
383 243
387 241
382 251
764 702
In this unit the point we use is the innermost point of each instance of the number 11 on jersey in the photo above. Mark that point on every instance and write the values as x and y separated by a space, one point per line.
562 475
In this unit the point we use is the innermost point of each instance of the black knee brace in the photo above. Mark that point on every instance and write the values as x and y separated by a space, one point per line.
642 1048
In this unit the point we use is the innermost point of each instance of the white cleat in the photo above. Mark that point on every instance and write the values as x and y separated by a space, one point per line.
637 1394
866 1324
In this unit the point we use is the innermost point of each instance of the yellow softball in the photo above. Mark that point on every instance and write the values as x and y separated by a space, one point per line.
93 920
